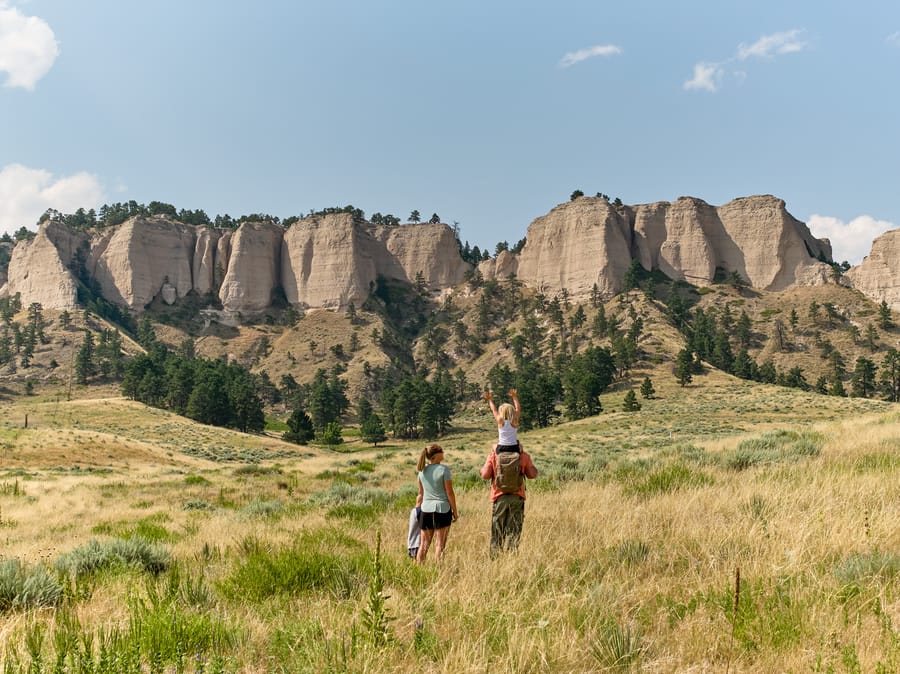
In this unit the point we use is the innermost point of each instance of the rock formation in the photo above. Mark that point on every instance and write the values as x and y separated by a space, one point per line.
576 245
131 262
878 276
253 267
754 236
40 269
332 260
428 249
328 261
206 259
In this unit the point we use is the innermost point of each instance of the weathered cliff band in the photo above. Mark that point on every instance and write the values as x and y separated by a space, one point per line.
334 260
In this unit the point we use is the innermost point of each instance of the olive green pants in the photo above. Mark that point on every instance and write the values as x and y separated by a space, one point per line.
507 518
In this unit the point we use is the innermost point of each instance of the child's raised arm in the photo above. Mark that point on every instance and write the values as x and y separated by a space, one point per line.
515 398
490 398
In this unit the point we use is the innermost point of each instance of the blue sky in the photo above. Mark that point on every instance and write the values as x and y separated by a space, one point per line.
487 113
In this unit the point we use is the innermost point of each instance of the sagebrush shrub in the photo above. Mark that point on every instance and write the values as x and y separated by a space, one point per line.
95 556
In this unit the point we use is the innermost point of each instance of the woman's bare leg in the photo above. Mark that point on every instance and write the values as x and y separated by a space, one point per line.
423 545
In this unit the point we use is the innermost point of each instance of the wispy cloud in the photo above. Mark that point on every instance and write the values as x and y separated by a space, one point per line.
850 241
574 57
708 75
28 47
893 39
25 194
767 46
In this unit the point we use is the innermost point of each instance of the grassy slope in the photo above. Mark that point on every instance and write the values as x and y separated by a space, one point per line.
637 520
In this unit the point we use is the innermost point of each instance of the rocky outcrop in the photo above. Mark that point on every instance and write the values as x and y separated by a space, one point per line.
768 246
205 260
133 261
575 246
505 265
40 269
755 236
329 261
428 249
252 274
332 260
878 276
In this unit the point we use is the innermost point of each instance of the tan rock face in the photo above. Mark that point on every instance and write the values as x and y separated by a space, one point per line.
878 276
575 246
755 236
426 248
328 261
205 259
132 262
253 267
39 269
504 266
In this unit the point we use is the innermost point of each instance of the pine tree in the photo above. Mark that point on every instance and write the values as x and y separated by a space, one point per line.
647 390
300 428
84 360
372 430
683 367
631 403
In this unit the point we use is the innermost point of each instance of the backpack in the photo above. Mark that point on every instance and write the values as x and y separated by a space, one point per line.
508 474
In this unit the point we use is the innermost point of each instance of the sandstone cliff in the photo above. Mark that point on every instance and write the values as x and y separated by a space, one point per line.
328 261
40 269
333 260
205 260
253 267
754 236
428 249
133 261
878 276
576 245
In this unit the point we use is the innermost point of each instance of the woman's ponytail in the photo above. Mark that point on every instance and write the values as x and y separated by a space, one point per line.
422 457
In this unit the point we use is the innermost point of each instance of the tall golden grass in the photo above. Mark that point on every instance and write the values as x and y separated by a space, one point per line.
633 532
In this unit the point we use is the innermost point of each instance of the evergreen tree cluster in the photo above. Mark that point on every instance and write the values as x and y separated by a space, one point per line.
209 391
723 340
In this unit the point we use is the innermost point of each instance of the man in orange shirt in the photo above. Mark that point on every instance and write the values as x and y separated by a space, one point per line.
507 472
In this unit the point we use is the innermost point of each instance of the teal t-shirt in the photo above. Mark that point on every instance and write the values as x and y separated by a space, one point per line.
434 495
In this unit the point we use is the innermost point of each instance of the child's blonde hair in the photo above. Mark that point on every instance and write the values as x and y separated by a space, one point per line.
507 412
428 453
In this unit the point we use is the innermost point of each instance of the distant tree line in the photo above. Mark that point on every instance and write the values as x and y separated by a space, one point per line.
209 391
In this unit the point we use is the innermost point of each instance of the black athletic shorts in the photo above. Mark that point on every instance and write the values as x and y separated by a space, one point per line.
431 521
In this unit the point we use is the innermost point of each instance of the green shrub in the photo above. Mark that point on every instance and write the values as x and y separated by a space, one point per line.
195 479
867 565
22 587
615 647
665 480
95 556
774 447
293 571
258 508
198 504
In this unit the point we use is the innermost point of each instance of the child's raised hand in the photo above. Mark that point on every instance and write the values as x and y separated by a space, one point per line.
513 393
487 395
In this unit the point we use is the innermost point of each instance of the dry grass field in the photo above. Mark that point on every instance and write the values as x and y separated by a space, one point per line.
135 540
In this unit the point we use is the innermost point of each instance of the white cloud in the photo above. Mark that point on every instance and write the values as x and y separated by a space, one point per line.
25 194
706 76
787 42
893 39
574 57
28 47
850 241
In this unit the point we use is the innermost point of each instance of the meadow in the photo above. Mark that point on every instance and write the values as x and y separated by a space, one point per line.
726 526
